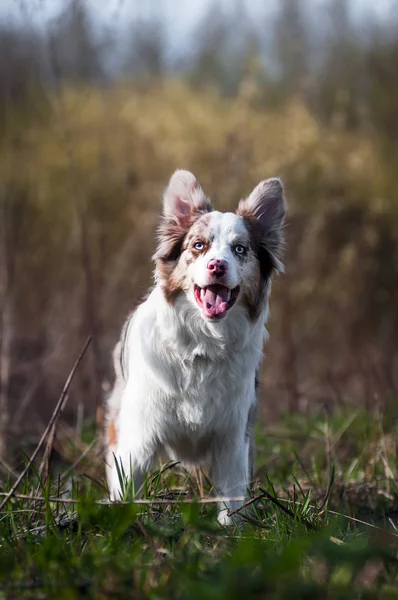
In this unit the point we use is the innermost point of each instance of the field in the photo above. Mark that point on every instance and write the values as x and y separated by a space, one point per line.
96 113
322 523
80 219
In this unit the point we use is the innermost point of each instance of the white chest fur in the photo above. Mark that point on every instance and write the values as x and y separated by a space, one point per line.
195 370
185 380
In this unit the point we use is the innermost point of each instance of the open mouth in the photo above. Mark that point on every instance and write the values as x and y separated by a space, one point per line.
215 300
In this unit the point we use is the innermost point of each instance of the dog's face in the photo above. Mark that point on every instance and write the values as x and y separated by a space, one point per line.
219 260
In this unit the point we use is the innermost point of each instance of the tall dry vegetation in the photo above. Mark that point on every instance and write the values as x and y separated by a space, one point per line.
83 166
83 198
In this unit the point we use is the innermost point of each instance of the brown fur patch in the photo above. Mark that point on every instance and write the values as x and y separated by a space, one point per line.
254 296
112 433
174 285
173 240
260 246
199 232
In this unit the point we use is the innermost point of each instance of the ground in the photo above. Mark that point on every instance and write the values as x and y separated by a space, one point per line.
322 523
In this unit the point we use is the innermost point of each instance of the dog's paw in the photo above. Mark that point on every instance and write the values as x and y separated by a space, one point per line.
226 520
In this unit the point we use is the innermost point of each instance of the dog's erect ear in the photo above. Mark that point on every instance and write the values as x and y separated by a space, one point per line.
267 204
265 210
183 202
184 198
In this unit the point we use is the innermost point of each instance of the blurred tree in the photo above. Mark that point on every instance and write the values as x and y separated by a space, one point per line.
339 91
144 57
381 63
225 45
21 76
291 44
77 53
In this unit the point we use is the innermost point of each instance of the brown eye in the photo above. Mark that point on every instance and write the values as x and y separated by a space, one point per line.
199 246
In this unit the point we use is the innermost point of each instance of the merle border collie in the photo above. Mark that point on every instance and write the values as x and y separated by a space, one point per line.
188 356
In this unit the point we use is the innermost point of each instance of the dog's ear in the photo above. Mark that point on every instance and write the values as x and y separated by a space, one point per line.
183 202
267 204
265 210
184 199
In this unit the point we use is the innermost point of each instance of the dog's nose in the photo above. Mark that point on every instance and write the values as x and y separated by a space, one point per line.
217 266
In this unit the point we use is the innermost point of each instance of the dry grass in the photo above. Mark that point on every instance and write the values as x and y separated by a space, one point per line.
82 193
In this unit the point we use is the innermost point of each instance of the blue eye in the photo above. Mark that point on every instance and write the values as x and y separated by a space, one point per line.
199 246
240 249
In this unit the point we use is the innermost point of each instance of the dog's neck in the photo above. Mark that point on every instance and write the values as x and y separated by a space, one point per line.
188 336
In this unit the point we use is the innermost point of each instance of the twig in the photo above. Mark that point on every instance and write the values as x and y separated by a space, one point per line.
94 480
45 463
348 517
79 459
252 521
16 418
54 417
286 510
328 493
305 470
164 468
8 467
212 500
277 503
248 503
355 520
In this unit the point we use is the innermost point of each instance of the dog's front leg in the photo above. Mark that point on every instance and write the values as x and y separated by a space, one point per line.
133 459
230 470
126 474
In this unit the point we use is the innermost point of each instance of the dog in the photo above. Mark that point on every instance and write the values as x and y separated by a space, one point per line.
187 361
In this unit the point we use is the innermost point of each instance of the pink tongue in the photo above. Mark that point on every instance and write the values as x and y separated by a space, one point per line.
215 299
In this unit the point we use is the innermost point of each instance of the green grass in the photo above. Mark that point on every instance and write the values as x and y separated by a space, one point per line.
323 525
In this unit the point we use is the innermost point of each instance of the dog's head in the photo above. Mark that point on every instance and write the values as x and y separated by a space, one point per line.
219 260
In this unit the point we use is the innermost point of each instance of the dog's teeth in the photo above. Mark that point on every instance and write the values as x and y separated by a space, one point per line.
229 296
202 293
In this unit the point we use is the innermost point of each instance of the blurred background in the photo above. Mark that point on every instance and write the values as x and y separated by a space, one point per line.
99 105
